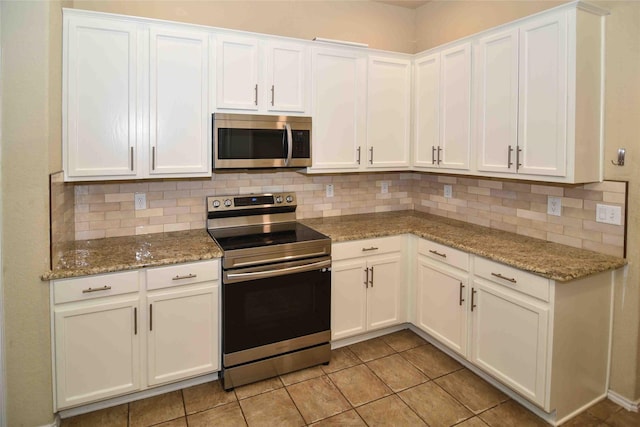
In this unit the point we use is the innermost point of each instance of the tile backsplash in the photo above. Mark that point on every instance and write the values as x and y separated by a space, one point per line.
106 209
62 220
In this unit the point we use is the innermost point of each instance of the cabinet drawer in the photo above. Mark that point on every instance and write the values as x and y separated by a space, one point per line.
89 287
366 247
183 274
445 254
513 278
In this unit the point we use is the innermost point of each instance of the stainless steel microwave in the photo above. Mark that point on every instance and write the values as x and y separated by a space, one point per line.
260 141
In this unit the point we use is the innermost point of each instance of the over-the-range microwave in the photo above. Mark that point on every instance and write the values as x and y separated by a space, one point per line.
260 141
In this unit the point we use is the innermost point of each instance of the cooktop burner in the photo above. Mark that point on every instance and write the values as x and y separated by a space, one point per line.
252 236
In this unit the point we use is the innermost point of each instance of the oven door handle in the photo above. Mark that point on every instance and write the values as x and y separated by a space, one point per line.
253 275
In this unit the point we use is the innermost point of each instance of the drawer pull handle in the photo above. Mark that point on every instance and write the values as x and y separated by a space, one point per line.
188 276
438 253
508 279
372 248
104 288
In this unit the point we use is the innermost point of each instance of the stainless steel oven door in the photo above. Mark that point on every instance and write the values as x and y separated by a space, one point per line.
271 310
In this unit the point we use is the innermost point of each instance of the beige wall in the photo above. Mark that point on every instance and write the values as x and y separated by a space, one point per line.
439 22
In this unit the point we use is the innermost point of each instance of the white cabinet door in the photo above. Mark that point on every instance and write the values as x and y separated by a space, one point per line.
348 298
385 293
441 305
237 76
497 102
179 103
388 112
509 338
286 77
99 98
96 350
182 333
542 131
339 107
427 110
455 107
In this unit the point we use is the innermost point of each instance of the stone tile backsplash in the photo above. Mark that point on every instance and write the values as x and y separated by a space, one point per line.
107 209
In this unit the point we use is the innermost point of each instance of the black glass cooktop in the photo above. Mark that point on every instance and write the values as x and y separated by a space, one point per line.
253 236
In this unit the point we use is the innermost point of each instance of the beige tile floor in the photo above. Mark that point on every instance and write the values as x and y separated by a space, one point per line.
394 380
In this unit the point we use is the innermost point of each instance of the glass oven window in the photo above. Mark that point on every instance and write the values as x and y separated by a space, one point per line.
265 311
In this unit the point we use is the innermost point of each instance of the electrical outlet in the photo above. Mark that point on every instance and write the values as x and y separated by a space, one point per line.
329 190
384 187
140 200
554 206
448 191
609 214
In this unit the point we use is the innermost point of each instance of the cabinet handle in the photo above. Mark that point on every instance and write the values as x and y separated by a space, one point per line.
366 279
256 96
272 94
131 159
153 158
439 150
150 317
509 279
358 150
371 279
372 248
135 320
461 288
89 290
188 276
438 253
473 294
509 162
371 159
518 164
433 155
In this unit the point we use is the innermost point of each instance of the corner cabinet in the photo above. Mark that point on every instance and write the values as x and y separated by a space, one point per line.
367 286
135 99
538 104
120 333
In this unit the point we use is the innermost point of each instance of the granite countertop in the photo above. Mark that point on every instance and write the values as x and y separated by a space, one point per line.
551 260
85 257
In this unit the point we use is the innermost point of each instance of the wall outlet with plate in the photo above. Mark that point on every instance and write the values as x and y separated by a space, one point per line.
329 190
384 187
448 191
554 206
609 214
140 200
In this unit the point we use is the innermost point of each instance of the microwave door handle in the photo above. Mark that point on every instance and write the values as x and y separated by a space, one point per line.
289 144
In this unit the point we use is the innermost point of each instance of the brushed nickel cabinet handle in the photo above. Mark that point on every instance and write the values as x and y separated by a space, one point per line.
131 159
371 159
508 279
461 288
89 290
473 304
518 151
438 253
371 279
509 162
372 248
135 320
433 155
150 317
187 276
366 279
272 94
256 98
439 150
153 158
358 150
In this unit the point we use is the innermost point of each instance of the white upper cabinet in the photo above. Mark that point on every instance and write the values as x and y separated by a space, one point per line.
179 107
538 98
135 100
442 116
388 112
261 75
237 76
99 99
339 109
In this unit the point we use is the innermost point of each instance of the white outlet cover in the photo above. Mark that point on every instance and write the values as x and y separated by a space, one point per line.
329 190
448 191
554 206
384 187
140 201
609 214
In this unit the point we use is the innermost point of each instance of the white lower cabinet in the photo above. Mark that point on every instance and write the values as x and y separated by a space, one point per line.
367 286
101 326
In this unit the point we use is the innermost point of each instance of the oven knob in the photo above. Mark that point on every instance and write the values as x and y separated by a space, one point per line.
216 203
278 199
289 199
227 203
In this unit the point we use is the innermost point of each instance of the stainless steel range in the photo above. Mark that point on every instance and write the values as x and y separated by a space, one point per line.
276 287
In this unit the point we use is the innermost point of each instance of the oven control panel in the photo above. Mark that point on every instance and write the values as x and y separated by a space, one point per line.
250 201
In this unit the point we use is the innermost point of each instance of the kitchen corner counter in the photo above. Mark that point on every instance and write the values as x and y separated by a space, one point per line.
551 260
86 257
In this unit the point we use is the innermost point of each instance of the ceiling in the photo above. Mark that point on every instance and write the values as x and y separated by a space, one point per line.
409 4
